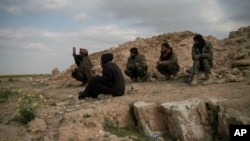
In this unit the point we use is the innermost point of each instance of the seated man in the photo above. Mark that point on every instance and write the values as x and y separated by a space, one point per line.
202 55
111 81
83 71
136 66
168 63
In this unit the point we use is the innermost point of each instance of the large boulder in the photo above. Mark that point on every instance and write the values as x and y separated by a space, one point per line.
227 117
188 120
37 125
55 71
149 117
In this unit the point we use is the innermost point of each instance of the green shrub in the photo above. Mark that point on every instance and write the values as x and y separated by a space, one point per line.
25 115
86 116
133 133
26 105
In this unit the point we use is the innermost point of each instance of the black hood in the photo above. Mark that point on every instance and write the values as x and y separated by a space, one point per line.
106 58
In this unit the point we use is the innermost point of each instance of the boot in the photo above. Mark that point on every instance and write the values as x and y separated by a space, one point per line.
167 76
134 79
204 77
175 77
145 77
195 80
209 80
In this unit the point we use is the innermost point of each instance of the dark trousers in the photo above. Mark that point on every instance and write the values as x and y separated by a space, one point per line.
95 87
168 69
79 76
139 72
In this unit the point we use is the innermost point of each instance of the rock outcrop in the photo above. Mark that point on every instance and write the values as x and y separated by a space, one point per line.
189 120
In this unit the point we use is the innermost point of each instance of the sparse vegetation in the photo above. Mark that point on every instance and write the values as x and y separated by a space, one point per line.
26 105
25 115
24 75
86 116
40 84
133 133
52 104
5 94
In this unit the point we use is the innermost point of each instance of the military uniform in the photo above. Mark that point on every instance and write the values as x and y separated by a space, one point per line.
170 65
136 67
83 71
205 62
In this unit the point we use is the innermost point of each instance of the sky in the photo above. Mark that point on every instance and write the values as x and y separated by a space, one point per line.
37 36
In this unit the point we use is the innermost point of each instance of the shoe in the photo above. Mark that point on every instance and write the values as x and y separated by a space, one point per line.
209 80
81 96
175 77
195 80
145 78
167 76
134 79
204 77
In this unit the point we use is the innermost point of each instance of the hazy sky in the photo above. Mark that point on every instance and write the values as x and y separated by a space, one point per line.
38 35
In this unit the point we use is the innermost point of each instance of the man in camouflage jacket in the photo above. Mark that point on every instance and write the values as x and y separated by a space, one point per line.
83 71
202 55
168 63
136 66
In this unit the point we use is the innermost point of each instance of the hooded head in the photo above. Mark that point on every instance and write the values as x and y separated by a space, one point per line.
83 52
105 58
133 52
198 40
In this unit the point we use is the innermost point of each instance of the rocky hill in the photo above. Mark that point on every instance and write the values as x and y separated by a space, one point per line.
231 55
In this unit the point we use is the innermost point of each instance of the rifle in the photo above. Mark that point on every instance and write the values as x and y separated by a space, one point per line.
190 72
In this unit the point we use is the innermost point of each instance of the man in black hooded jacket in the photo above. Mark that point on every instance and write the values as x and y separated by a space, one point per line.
111 81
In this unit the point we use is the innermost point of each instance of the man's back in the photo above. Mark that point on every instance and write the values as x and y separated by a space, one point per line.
112 76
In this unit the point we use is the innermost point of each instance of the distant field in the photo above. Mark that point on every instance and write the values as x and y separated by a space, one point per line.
24 75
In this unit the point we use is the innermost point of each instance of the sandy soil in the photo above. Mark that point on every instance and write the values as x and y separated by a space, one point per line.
235 96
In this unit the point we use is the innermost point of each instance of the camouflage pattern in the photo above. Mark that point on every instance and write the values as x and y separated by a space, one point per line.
170 66
136 67
83 71
205 62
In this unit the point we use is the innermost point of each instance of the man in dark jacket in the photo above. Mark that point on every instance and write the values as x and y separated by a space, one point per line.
168 64
111 81
83 71
136 66
202 55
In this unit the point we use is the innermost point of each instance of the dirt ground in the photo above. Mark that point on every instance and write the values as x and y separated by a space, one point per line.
235 96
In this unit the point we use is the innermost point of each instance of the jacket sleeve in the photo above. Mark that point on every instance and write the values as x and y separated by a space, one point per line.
130 64
141 61
194 53
77 59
